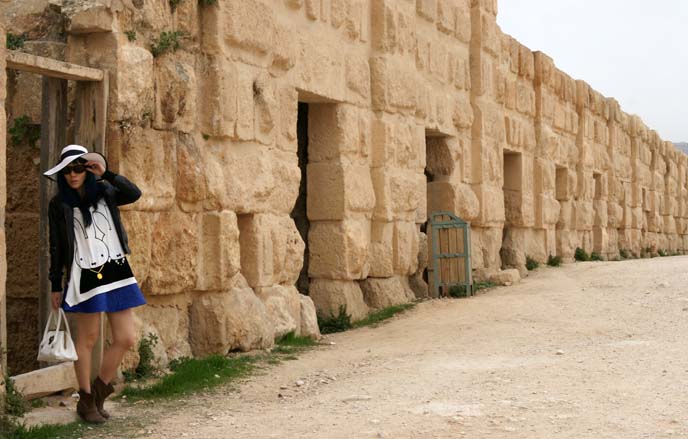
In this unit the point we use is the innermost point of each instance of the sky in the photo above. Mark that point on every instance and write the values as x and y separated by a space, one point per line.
633 50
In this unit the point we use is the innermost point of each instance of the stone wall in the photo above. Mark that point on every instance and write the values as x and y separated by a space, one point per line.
411 107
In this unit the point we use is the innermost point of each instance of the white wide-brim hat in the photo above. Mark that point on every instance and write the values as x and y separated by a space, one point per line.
73 152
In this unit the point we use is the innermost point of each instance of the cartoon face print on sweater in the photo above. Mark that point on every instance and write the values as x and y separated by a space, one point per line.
94 246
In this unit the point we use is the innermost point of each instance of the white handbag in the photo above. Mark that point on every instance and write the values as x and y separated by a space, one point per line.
57 346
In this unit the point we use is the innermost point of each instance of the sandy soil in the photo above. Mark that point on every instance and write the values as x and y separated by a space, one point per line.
588 350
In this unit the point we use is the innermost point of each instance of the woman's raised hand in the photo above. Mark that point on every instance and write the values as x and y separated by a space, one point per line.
95 168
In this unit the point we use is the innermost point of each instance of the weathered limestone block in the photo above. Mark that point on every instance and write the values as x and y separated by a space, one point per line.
136 146
396 194
288 113
358 77
168 318
283 307
394 84
491 205
192 180
329 295
600 217
339 250
217 107
380 293
174 254
266 108
452 197
134 81
506 277
309 318
139 227
247 179
284 49
334 133
584 215
320 70
381 252
248 24
222 322
246 102
89 16
219 250
423 252
418 286
405 245
393 26
175 88
336 191
427 9
271 250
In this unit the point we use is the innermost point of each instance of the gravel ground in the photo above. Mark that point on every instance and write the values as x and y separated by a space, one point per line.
587 350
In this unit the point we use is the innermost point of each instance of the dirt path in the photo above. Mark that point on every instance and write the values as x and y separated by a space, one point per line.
592 350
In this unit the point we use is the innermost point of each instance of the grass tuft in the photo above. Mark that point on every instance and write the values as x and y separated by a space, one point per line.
291 339
207 2
15 404
169 41
193 374
531 264
131 35
624 254
15 42
24 131
662 253
594 256
146 367
338 323
9 429
581 255
383 314
554 261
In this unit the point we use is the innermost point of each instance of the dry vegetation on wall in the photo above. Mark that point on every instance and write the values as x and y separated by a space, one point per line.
306 141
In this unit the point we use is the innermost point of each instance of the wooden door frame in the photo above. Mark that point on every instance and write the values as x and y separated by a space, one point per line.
92 89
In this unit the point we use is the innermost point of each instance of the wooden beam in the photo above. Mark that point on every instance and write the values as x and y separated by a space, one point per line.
49 67
91 114
46 381
53 137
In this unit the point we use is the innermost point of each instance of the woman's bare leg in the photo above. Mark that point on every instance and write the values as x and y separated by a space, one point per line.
88 329
123 339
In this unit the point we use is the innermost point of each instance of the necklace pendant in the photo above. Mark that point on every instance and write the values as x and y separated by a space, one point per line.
99 276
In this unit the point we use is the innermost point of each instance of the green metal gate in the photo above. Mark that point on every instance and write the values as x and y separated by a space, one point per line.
451 256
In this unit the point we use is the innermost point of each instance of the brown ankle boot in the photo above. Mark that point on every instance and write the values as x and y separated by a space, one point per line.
100 392
86 409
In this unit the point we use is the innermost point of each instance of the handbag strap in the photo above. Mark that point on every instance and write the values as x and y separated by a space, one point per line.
47 324
63 315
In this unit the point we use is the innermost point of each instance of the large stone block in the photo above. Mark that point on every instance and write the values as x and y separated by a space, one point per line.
380 293
309 318
457 198
271 250
330 295
130 152
223 322
174 254
219 254
405 245
247 24
336 192
247 179
381 252
139 226
217 107
175 92
339 250
87 17
134 84
192 180
334 134
394 84
168 319
283 307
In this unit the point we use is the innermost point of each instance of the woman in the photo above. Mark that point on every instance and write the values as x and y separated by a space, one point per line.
88 242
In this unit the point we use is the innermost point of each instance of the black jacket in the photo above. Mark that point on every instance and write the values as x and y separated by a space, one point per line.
118 191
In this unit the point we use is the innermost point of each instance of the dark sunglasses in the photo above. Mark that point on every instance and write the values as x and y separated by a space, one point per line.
77 169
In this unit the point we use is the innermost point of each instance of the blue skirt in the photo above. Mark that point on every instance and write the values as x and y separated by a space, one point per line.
118 299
